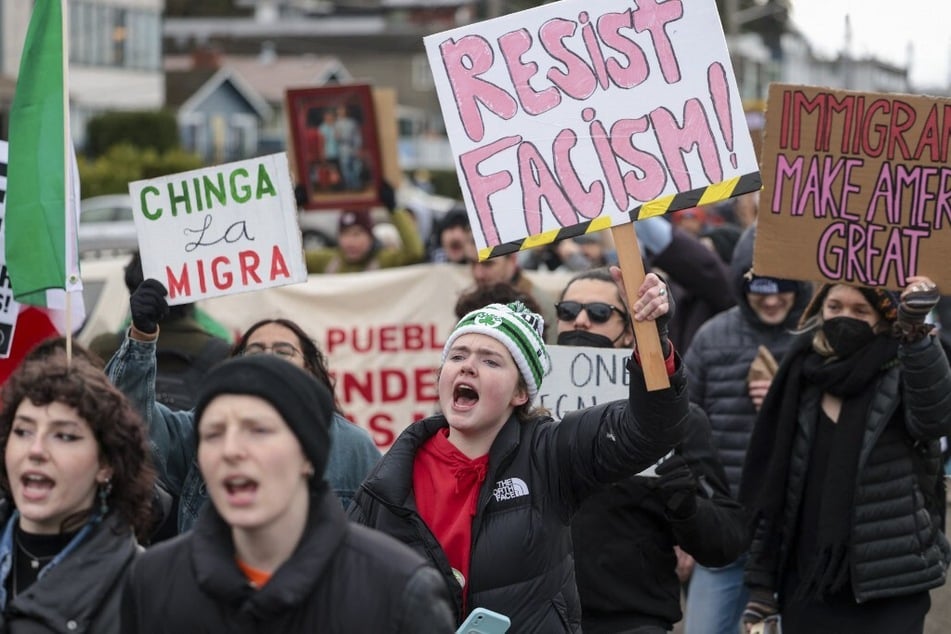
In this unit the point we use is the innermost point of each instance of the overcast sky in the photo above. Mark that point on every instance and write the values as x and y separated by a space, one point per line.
883 29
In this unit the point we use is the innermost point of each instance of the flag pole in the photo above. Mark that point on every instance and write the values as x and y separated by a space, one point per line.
68 174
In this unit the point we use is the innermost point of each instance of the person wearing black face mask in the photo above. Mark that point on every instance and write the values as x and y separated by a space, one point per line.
847 335
626 537
843 473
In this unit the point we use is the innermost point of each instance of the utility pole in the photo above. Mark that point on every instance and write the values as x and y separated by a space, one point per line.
731 11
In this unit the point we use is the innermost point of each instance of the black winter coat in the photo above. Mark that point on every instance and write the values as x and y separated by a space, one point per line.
624 540
341 579
896 544
539 473
80 594
718 361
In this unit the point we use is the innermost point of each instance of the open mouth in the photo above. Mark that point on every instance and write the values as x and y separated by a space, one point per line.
36 487
240 486
36 482
464 395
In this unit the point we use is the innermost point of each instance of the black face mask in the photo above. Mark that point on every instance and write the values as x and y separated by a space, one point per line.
584 338
846 335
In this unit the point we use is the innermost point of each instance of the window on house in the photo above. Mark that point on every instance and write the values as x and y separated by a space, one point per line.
113 36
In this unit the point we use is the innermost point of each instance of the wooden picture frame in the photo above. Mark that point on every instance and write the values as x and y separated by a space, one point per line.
334 146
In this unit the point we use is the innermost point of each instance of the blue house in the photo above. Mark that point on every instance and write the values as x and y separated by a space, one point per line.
231 107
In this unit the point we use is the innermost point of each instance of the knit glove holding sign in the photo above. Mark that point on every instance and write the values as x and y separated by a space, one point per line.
148 306
917 300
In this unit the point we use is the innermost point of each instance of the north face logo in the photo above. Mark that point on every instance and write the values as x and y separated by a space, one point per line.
510 488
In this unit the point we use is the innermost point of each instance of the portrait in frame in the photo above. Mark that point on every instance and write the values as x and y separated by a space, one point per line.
335 148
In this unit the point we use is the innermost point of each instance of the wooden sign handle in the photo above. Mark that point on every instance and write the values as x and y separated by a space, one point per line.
645 332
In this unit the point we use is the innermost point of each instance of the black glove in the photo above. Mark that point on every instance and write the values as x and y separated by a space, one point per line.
387 196
762 604
148 306
677 486
916 302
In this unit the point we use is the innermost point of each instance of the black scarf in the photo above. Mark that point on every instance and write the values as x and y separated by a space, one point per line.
765 472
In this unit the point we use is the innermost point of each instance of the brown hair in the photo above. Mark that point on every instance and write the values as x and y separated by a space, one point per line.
118 430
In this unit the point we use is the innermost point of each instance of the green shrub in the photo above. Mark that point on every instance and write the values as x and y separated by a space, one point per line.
112 172
142 129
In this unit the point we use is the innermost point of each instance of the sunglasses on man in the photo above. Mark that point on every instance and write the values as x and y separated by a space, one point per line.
598 312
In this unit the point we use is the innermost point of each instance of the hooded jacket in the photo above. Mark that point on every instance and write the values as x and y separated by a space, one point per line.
539 473
719 359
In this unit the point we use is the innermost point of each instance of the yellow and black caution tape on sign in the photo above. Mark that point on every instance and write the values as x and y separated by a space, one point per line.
684 200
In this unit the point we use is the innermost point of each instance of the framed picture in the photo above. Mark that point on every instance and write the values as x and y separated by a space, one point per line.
335 147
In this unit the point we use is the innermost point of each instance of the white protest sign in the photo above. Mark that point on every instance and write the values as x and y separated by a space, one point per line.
220 230
582 377
577 110
9 308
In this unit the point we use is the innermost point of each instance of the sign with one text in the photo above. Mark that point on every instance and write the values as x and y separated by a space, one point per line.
220 230
578 110
583 377
857 187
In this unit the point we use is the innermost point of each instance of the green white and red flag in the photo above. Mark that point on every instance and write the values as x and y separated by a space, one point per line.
42 201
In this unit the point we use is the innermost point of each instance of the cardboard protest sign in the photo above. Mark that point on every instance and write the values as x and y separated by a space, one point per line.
335 145
220 230
857 187
9 308
576 116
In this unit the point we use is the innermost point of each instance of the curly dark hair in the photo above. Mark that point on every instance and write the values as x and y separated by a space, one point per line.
314 360
118 430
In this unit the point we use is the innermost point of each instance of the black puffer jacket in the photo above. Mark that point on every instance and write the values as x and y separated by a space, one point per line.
82 592
538 474
719 359
340 579
624 540
896 545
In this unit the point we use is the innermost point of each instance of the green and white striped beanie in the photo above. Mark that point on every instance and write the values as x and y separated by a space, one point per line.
519 330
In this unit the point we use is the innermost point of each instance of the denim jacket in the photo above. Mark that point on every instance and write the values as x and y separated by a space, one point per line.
174 444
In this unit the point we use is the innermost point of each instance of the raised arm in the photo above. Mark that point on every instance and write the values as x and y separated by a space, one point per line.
132 369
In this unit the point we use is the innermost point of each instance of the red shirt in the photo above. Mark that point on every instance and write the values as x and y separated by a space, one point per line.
446 484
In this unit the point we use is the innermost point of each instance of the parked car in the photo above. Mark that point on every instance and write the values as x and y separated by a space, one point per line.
106 225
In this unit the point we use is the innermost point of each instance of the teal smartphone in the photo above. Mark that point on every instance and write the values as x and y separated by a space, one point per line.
482 621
